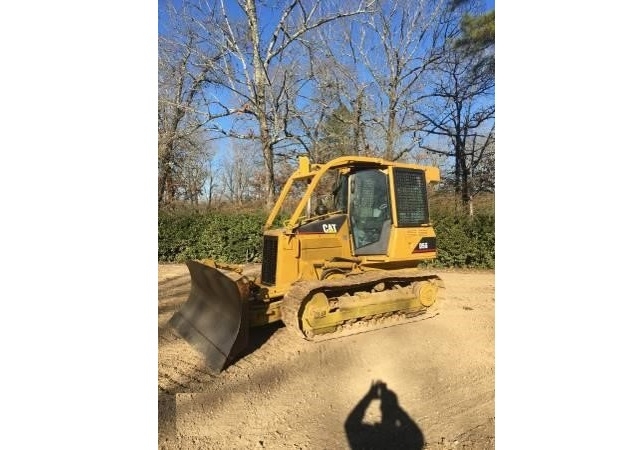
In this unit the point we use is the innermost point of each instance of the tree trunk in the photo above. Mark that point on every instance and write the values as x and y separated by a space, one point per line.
164 175
260 80
467 198
271 181
357 131
391 127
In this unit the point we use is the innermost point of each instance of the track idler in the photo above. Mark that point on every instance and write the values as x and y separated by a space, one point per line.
214 318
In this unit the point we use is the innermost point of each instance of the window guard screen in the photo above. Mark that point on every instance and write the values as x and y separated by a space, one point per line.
411 197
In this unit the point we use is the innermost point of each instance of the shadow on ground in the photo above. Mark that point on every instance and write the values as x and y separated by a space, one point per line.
258 336
395 430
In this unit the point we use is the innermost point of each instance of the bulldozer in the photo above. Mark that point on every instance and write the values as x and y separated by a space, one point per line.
351 264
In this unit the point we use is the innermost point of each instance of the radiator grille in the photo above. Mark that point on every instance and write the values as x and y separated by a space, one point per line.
269 259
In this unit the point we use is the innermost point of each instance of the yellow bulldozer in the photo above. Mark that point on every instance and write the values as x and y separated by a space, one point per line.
348 264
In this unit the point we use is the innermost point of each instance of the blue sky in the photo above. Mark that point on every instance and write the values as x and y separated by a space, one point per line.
268 20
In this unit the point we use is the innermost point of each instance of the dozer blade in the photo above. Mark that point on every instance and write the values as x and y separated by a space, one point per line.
213 319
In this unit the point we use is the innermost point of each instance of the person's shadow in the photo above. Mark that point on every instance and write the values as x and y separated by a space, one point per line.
396 429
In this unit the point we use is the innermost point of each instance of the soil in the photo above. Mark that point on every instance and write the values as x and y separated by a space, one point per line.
428 384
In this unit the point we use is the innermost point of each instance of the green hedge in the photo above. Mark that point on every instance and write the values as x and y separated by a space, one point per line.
465 241
233 237
230 238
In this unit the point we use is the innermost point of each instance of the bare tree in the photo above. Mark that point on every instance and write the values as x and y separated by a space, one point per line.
262 66
333 120
212 186
461 107
289 76
183 75
381 62
239 172
193 167
483 168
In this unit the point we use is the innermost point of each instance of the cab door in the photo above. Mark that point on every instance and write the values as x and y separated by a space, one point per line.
369 212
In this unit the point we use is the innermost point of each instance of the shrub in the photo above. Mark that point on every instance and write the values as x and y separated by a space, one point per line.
226 237
465 241
237 237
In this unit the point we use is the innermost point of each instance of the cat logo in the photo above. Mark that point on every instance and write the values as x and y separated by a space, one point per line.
329 228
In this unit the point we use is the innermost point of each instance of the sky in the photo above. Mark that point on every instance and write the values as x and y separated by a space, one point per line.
79 240
268 19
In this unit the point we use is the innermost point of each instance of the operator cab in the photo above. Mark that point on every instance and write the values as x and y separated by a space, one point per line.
364 196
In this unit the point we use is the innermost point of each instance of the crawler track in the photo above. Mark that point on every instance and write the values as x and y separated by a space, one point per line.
360 285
